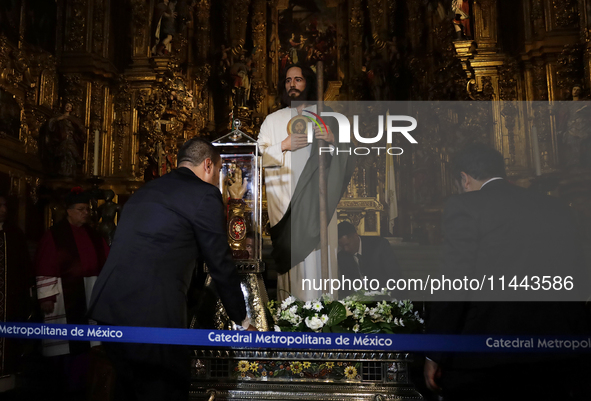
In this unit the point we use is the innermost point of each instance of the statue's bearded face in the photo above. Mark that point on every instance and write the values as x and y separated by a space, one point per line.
295 84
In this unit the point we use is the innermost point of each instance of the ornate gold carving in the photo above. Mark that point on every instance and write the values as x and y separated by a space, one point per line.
14 66
465 51
201 96
258 92
487 3
415 18
76 26
35 118
33 183
16 179
486 91
139 14
98 35
97 98
540 81
47 87
355 49
332 92
356 21
570 69
378 23
73 92
202 27
202 9
150 108
259 39
21 63
3 49
239 12
139 24
167 115
509 113
537 16
566 13
508 73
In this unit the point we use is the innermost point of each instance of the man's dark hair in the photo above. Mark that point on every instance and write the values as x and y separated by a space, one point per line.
346 228
196 150
252 234
478 161
310 93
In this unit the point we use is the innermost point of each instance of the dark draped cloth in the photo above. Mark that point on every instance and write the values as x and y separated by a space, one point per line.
305 205
71 254
16 281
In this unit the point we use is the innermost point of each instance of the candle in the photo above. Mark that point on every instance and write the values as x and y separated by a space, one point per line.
95 171
536 151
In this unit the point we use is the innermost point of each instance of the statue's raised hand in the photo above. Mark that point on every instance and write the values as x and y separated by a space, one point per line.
236 185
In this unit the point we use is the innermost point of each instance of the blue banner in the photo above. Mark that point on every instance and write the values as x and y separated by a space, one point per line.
308 341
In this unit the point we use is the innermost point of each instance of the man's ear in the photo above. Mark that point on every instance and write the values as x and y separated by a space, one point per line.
207 165
466 181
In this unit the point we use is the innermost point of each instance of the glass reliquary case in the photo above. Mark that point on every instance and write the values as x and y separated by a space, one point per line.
240 184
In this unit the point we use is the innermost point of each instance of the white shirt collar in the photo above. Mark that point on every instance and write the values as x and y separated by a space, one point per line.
492 179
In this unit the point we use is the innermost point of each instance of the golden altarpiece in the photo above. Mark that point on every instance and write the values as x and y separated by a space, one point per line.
135 96
101 93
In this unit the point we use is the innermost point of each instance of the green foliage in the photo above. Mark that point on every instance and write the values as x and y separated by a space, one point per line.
359 313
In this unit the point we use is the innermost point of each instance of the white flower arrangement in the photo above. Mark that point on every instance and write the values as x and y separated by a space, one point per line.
356 313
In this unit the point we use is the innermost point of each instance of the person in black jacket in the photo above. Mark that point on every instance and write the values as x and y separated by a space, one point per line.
165 226
362 257
495 227
16 281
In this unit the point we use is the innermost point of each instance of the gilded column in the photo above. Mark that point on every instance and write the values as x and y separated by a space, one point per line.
585 38
238 20
202 70
379 22
140 27
485 65
76 26
100 28
259 57
355 41
118 149
202 30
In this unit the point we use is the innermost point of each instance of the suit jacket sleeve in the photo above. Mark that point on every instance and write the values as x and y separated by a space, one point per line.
210 230
460 248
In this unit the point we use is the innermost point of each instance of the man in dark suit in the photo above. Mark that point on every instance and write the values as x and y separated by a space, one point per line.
164 228
364 256
493 226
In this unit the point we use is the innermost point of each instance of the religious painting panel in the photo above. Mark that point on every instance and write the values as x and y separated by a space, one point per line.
308 34
10 115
